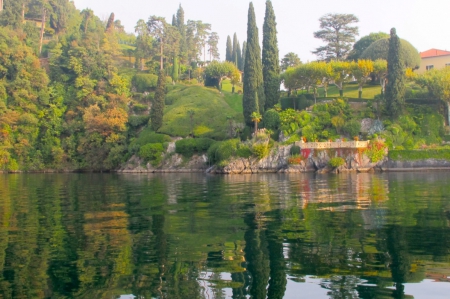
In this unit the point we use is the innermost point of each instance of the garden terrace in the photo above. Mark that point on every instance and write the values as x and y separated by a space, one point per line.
332 144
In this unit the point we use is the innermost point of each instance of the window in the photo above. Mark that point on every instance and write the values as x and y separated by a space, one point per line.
430 67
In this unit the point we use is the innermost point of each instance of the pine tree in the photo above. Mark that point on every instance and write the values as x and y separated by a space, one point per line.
234 51
270 58
239 56
253 99
229 50
395 88
244 51
157 111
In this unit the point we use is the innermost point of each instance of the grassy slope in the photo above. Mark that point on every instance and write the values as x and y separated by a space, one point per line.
211 109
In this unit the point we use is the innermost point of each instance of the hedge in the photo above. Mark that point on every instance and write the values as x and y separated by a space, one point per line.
413 155
189 146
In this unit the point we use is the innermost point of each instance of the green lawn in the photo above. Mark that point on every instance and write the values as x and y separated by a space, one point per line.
351 91
210 107
227 86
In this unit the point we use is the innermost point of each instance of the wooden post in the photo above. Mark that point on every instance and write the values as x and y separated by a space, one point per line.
42 30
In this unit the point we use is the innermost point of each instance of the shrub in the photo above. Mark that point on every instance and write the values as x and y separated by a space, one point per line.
260 150
376 151
152 153
139 107
144 82
295 159
271 120
336 162
295 150
189 146
412 155
352 128
138 120
244 151
222 151
145 137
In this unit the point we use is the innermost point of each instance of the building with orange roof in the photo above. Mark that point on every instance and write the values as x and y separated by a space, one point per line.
434 59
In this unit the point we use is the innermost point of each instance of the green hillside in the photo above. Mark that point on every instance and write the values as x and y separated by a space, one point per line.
210 109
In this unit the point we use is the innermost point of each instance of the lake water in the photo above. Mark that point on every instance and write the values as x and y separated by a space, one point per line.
382 235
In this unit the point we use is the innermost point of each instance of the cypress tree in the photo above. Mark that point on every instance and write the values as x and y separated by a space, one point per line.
174 20
395 88
270 58
244 51
157 111
239 56
110 24
182 29
253 99
229 50
234 51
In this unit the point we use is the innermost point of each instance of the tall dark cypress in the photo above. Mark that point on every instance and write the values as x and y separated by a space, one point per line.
234 51
244 51
239 56
395 88
270 58
229 50
182 29
174 21
253 99
157 111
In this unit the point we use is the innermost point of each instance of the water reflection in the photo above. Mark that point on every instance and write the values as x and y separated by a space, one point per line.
247 236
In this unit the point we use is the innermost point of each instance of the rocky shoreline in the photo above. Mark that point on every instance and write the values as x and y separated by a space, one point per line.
278 162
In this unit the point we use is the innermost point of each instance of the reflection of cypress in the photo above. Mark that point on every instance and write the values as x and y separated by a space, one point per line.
257 257
400 261
161 250
277 282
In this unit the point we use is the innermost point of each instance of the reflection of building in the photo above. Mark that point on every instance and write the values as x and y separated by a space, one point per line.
434 59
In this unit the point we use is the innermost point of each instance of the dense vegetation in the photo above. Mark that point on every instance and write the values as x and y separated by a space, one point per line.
82 94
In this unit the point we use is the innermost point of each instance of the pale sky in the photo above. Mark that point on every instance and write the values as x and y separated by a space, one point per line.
424 23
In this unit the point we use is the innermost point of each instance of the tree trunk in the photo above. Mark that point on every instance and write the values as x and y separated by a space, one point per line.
448 113
360 92
42 30
161 60
256 127
325 90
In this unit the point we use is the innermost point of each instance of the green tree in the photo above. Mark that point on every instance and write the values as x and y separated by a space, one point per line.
156 27
216 71
244 51
239 56
234 57
338 34
380 50
180 24
363 43
395 88
157 110
87 14
290 60
229 50
270 59
110 23
213 50
253 99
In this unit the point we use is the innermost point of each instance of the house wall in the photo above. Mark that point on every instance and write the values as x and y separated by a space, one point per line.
1 5
438 62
